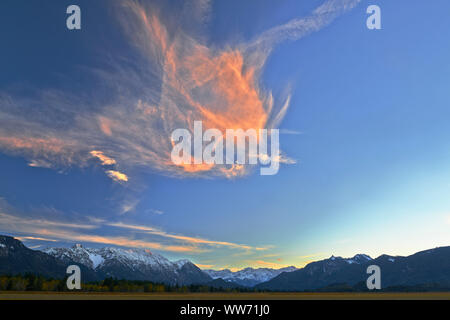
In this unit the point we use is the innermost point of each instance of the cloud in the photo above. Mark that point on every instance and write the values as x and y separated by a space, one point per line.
266 264
103 159
293 132
117 175
44 230
232 269
155 211
7 219
204 266
118 241
39 164
35 238
27 227
113 174
312 255
191 240
172 79
129 205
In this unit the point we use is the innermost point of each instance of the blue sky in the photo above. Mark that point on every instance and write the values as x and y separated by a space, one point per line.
367 125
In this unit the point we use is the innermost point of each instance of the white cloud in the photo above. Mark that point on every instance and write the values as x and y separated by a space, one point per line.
155 211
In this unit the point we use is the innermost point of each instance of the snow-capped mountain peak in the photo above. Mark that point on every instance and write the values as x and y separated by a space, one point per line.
358 259
136 264
248 276
94 258
181 263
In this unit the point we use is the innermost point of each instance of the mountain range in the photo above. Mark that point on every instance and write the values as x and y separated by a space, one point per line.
425 268
429 267
132 264
16 258
247 277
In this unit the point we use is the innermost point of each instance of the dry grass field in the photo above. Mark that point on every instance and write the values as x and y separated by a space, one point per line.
225 296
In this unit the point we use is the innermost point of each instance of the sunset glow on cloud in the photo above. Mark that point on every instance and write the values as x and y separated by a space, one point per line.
104 159
117 176
89 152
219 86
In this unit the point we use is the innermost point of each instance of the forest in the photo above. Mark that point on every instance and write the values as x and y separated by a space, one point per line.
32 282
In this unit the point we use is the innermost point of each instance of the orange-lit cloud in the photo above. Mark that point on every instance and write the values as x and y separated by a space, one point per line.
42 151
36 145
35 238
220 88
266 264
107 161
173 79
30 228
105 125
45 230
118 241
233 269
191 240
117 175
204 266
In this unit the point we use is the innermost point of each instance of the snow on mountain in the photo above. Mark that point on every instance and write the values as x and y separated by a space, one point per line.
133 264
359 258
248 276
133 258
181 263
96 259
77 253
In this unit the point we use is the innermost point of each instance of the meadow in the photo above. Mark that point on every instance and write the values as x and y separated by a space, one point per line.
225 296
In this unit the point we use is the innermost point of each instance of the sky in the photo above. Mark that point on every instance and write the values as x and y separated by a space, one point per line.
86 118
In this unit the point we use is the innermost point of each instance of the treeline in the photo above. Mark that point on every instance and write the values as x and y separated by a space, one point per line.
32 282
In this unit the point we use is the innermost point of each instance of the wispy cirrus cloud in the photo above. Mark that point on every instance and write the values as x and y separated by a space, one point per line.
155 211
30 227
191 240
320 254
204 266
6 219
35 238
120 241
44 230
40 164
172 79
268 264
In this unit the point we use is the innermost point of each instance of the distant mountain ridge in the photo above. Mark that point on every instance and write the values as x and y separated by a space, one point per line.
132 264
16 258
422 270
426 267
248 277
141 264
129 264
